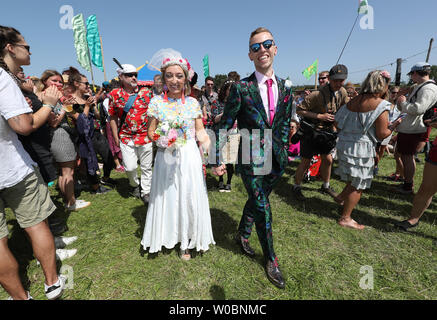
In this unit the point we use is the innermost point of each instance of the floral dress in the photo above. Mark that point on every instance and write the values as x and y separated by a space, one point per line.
178 210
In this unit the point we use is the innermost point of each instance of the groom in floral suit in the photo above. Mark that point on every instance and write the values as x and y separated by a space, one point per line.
261 104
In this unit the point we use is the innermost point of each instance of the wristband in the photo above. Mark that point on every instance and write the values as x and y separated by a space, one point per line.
49 105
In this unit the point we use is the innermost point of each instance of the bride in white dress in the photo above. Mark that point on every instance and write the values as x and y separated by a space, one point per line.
178 210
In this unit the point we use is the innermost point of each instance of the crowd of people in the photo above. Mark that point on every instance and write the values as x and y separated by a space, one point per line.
56 129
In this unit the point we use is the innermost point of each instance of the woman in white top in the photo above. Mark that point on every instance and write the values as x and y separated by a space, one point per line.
21 186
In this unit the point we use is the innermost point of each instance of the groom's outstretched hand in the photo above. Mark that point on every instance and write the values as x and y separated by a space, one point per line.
219 171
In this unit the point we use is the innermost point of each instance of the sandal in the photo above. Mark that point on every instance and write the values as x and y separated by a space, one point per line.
185 255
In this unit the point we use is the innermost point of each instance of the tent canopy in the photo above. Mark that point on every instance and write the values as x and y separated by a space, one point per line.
145 75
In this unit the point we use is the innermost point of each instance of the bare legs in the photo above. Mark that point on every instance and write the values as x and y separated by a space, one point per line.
409 167
325 167
426 191
349 197
9 278
66 182
43 246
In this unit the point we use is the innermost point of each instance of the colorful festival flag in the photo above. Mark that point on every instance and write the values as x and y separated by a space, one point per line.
206 66
362 8
312 69
80 42
93 39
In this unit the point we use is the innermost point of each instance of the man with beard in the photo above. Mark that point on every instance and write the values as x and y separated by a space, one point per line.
128 104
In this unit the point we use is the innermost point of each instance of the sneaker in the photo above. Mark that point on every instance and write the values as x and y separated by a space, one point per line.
328 191
100 190
79 204
221 186
228 188
120 169
416 158
29 297
297 192
135 192
62 254
55 290
375 171
108 182
62 242
404 189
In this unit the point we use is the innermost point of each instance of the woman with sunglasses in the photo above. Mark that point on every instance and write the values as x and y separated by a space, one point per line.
21 185
90 140
63 140
178 210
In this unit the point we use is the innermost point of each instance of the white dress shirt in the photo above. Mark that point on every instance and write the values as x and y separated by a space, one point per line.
263 90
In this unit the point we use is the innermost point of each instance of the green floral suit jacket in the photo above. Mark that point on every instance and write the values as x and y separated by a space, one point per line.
260 142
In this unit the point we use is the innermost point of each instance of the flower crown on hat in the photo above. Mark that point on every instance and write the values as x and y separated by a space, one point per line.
167 57
385 74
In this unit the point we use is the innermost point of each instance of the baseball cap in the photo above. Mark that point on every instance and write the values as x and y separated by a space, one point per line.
420 66
338 72
127 68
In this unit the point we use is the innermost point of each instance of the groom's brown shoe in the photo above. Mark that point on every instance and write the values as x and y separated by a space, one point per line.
244 245
274 274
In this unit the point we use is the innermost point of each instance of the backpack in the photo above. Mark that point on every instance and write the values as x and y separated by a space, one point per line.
431 112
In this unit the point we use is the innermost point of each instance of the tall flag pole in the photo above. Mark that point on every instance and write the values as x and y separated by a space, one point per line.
362 9
103 59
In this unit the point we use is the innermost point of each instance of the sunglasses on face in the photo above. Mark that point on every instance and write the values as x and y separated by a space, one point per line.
130 75
255 47
323 78
85 83
27 47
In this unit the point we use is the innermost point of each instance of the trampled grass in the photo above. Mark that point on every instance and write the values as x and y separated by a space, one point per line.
319 259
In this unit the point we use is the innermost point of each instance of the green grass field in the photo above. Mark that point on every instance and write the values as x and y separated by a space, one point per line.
318 259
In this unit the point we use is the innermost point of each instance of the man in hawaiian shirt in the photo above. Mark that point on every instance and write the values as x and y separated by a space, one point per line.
131 135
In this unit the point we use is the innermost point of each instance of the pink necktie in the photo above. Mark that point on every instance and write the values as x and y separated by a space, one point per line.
271 100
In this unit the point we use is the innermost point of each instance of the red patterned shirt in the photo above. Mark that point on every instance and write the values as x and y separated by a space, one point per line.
135 126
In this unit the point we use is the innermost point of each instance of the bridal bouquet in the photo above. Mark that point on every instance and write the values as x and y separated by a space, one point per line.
172 133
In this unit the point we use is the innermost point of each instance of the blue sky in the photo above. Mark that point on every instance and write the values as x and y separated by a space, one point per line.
133 31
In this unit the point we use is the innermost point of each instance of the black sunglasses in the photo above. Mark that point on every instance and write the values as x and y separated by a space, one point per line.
85 83
322 78
24 46
130 75
267 44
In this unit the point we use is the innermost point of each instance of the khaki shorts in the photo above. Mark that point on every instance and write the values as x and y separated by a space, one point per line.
29 200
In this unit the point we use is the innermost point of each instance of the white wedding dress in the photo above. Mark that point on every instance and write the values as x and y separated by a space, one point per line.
178 210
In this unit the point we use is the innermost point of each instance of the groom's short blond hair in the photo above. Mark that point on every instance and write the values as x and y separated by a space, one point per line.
259 30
